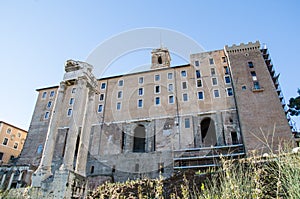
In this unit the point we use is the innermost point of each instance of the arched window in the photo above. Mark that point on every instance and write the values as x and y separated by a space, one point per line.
139 142
159 60
208 132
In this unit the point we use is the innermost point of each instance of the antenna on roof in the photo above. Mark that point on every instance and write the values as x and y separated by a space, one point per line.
160 40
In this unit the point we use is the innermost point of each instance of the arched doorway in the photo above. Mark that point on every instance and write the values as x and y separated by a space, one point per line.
208 132
139 140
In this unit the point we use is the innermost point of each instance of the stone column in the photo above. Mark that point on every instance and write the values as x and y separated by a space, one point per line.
10 180
85 134
44 169
75 123
19 179
3 180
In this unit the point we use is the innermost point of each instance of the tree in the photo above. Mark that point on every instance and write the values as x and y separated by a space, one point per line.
294 105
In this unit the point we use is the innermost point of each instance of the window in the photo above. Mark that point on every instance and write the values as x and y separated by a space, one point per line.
69 113
199 83
19 134
224 59
118 105
184 85
157 77
185 97
198 74
170 75
187 123
71 101
253 74
183 73
157 101
244 87
214 81
250 64
39 149
73 90
200 95
170 87
49 104
121 82
1 155
227 80
211 61
216 93
212 71
5 141
16 145
141 91
140 103
52 93
100 108
141 80
120 93
197 63
229 92
46 116
256 85
103 85
157 89
101 97
44 95
8 131
171 99
226 70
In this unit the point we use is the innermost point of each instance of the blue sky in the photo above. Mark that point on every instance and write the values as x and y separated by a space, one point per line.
38 36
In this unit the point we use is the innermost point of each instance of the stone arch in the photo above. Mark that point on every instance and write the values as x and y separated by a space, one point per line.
139 139
208 132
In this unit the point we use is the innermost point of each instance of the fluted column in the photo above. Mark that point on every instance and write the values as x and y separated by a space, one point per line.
85 135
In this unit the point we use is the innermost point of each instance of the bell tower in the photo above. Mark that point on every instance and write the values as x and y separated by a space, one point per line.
160 58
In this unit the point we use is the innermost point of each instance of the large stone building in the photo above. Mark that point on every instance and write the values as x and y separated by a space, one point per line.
87 130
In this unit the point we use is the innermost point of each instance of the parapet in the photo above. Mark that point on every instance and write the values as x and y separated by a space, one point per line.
242 47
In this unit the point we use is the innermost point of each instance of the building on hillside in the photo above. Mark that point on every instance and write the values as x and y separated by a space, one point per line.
85 130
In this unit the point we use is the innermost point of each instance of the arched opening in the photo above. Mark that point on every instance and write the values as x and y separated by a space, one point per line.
159 59
208 132
139 141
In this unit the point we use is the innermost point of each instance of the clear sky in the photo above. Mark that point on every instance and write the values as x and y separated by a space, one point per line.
38 36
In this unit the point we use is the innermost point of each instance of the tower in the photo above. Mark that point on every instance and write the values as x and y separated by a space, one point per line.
160 58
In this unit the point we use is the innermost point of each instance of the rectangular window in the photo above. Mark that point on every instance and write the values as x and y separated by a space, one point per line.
103 85
16 145
44 95
141 80
141 91
198 74
118 105
157 77
256 85
100 108
183 73
1 155
211 61
214 81
71 101
227 80
52 93
170 75
121 82
229 92
253 74
8 131
216 93
157 89
46 116
101 97
200 95
171 99
224 59
184 85
49 104
120 93
226 70
185 97
157 101
140 103
73 90
5 141
197 63
212 71
199 83
69 113
187 123
170 87
250 64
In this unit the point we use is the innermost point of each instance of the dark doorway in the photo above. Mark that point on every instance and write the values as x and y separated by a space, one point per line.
139 141
234 138
208 132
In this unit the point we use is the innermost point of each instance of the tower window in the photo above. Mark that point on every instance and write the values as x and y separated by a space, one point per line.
121 82
200 95
170 75
171 99
250 64
46 116
256 85
226 70
214 81
101 97
52 93
197 63
184 85
103 85
69 113
120 93
185 97
157 89
5 141
187 123
212 71
141 91
170 87
216 93
198 74
73 90
71 101
253 74
8 131
157 77
118 105
183 73
159 59
199 83
227 79
141 80
100 108
140 103
157 101
44 95
229 92
49 104
211 61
